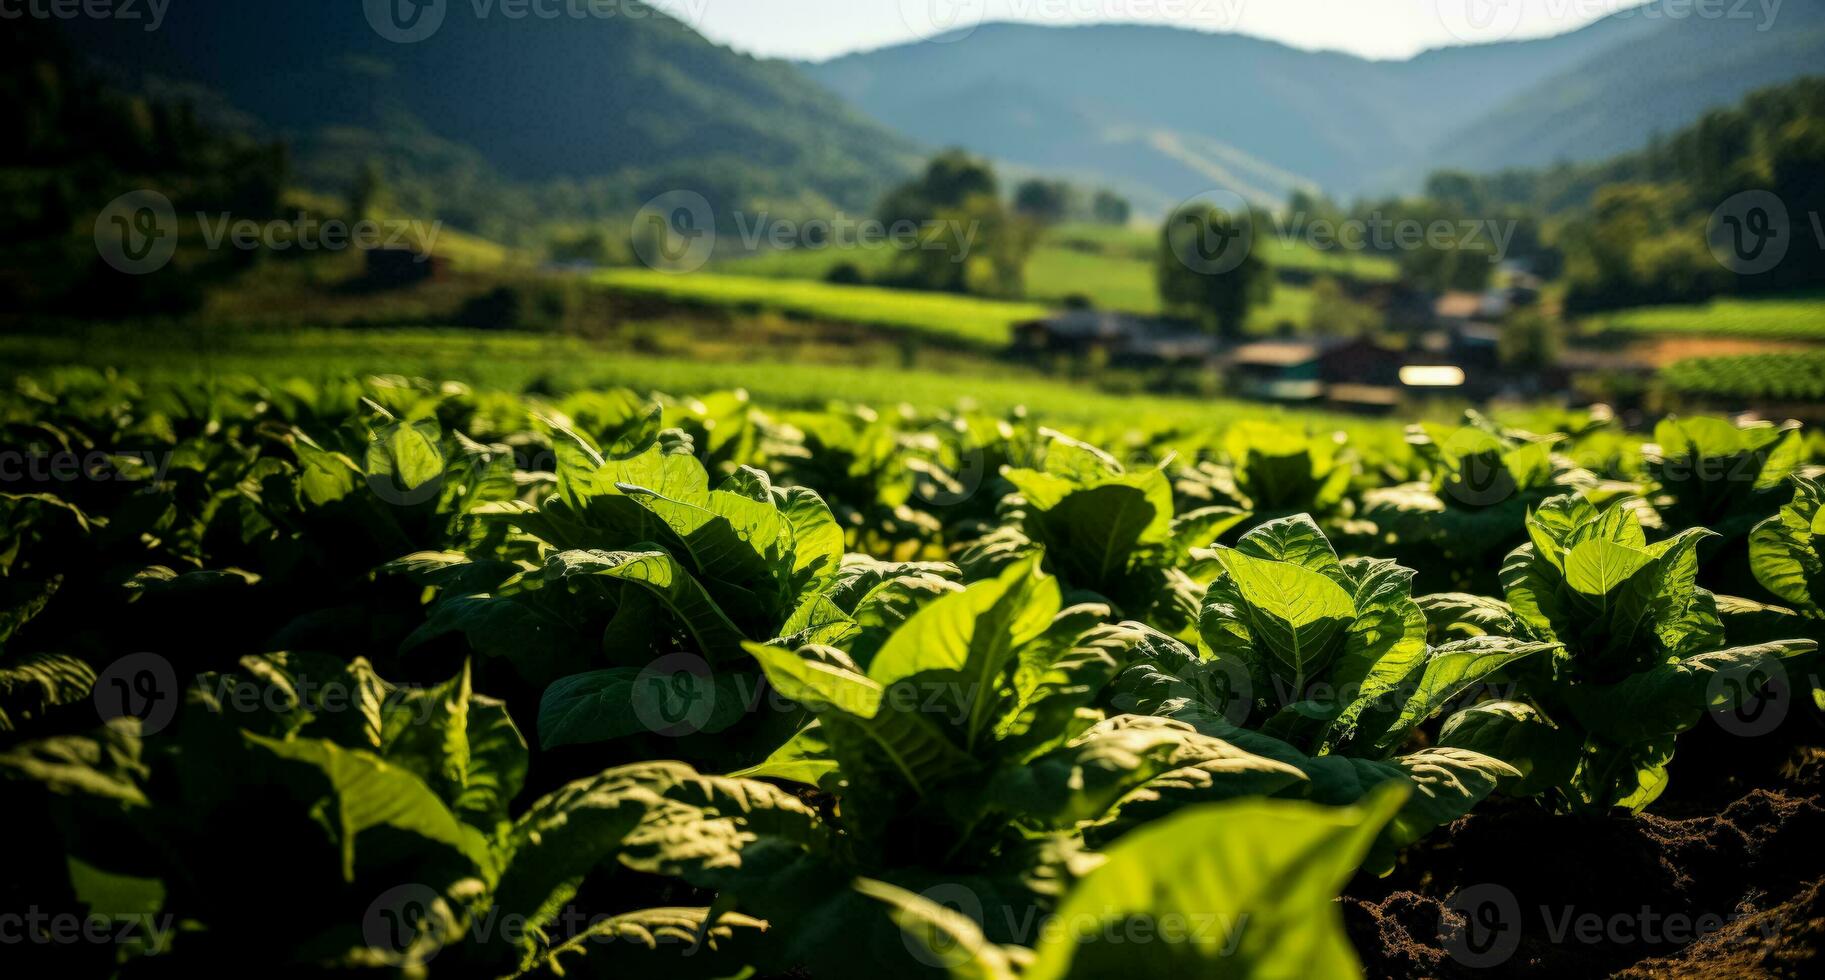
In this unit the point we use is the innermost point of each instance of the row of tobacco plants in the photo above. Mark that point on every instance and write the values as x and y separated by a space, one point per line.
403 677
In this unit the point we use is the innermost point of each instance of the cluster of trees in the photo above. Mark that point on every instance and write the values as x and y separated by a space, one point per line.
969 239
1052 201
79 143
1208 269
1636 229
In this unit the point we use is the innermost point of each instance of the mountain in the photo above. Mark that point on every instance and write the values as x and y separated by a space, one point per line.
1618 99
579 113
1163 113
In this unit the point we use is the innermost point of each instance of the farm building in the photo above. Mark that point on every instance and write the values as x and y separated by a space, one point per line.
1303 370
1124 337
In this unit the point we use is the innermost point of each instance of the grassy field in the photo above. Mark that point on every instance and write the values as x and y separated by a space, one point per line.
1113 266
1795 317
521 362
961 320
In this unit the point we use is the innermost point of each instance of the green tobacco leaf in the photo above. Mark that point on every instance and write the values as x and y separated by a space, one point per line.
1447 783
1672 698
678 943
1291 615
1449 671
856 711
1295 539
945 937
1518 734
817 622
1259 877
817 541
603 705
1785 550
973 634
562 837
103 765
804 758
356 792
1459 616
718 638
406 456
718 832
1385 642
31 685
1081 781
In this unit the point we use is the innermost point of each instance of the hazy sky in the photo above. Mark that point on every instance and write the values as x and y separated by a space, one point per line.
1372 28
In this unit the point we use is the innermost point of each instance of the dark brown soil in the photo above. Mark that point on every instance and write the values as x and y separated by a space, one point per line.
1724 878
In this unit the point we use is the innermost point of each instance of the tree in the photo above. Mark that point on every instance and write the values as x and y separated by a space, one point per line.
967 241
1208 269
952 178
1043 200
1110 208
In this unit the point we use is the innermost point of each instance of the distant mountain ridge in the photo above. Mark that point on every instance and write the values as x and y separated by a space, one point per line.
632 100
1164 113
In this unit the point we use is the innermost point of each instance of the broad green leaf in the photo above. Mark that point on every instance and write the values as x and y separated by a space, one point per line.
718 638
1081 781
1449 671
1291 615
34 684
1259 877
1518 734
679 943
1447 783
974 635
